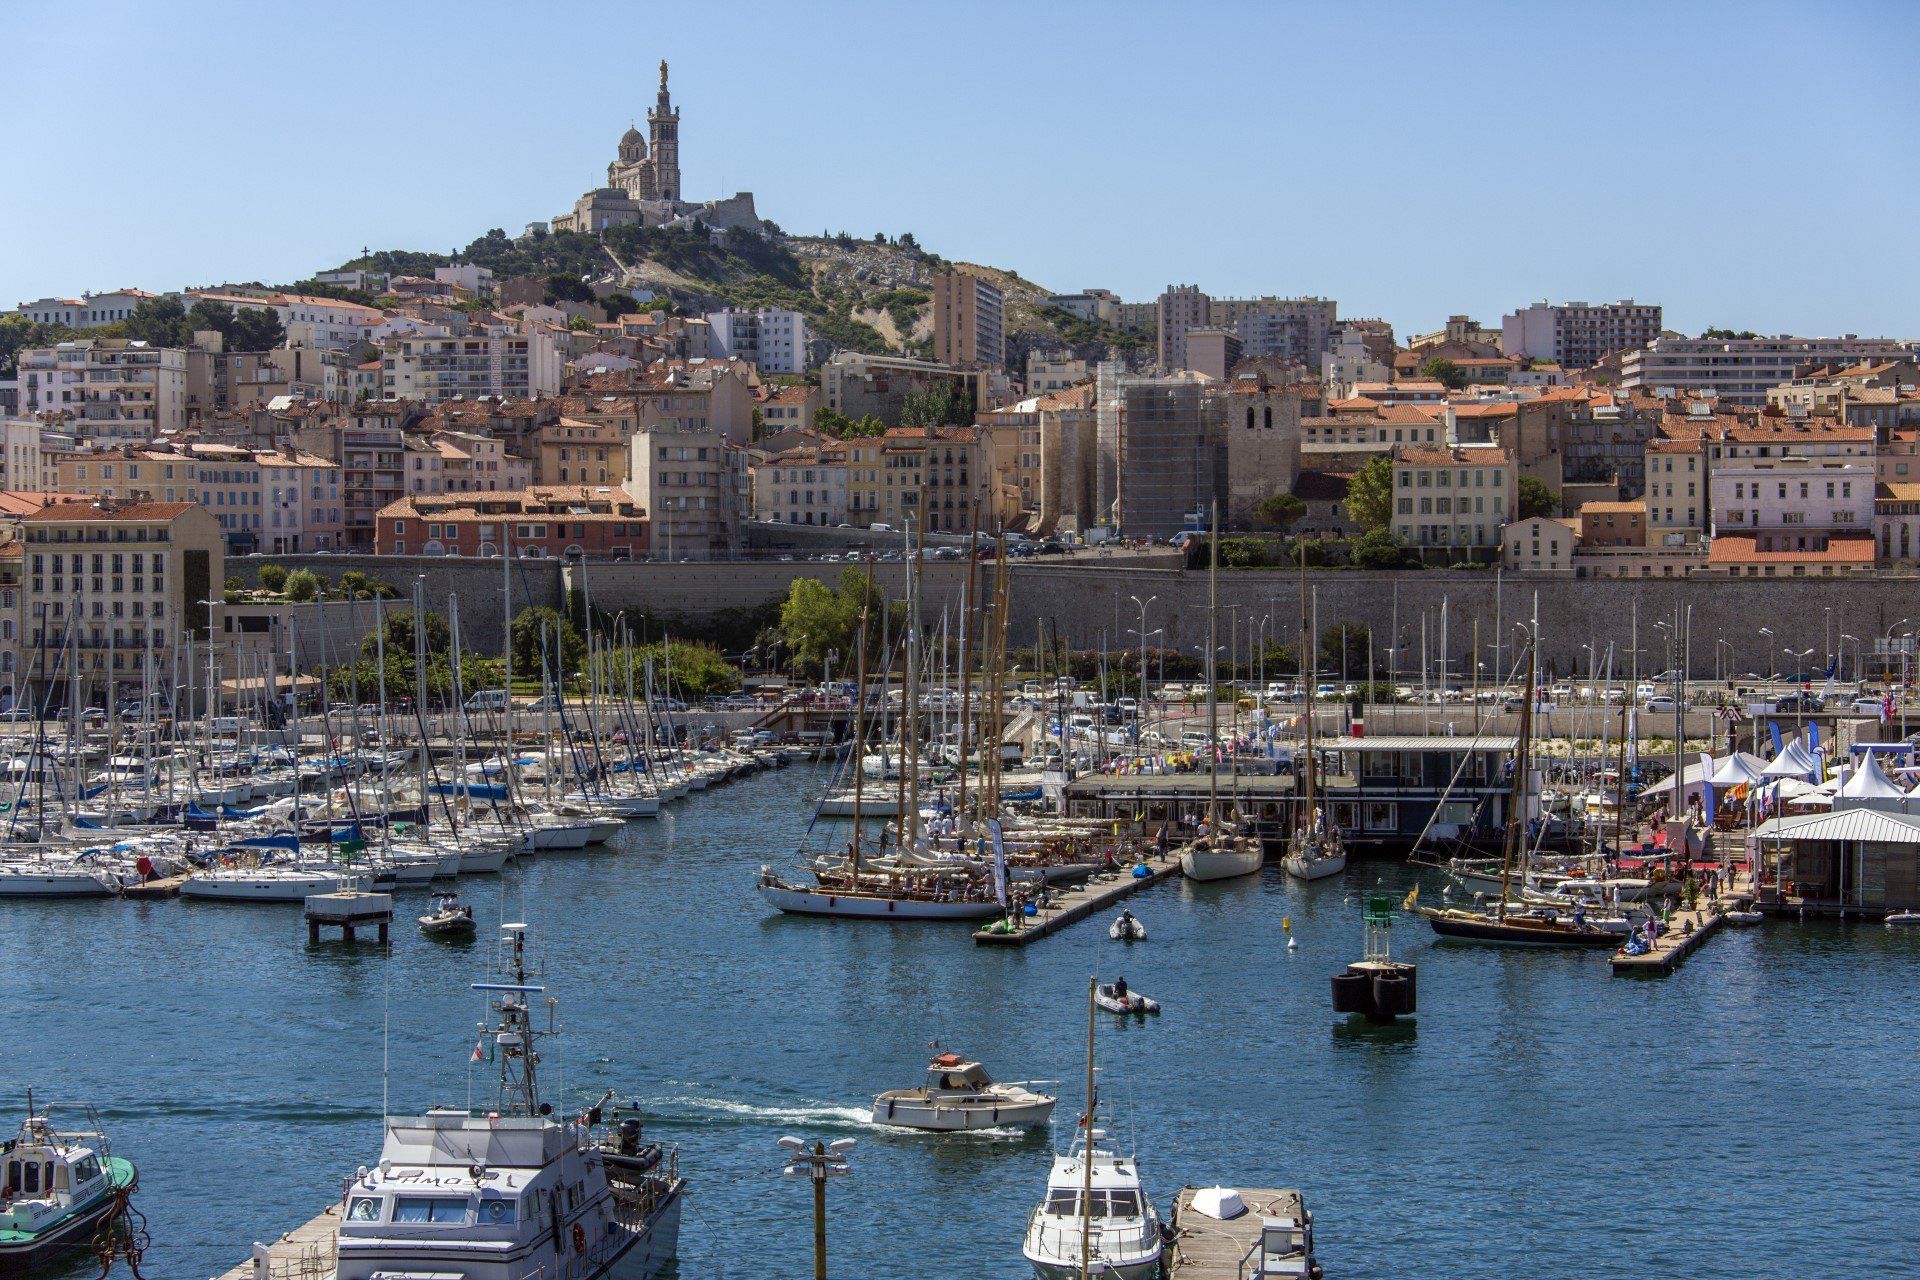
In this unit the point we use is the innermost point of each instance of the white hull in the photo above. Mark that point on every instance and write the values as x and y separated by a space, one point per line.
482 861
1301 867
911 1114
1221 864
560 839
230 887
880 806
51 884
1149 1269
804 902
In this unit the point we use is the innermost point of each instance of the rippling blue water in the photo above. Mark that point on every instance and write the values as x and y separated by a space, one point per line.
1752 1115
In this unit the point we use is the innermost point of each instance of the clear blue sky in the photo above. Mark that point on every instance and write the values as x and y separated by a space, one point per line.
1747 165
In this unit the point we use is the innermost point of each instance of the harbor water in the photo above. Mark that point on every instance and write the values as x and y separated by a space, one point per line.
1751 1115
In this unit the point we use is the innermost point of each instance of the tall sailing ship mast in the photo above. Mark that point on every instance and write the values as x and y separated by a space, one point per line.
1222 851
1315 849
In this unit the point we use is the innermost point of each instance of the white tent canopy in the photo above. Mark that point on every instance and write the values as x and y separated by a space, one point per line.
1870 782
1793 762
1696 772
1736 770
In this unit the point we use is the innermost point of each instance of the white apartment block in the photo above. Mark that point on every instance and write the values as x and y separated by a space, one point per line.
324 322
773 342
445 362
1053 371
1741 371
116 389
88 311
23 462
1578 335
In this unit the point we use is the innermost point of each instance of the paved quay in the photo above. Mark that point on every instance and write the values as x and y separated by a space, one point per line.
305 1253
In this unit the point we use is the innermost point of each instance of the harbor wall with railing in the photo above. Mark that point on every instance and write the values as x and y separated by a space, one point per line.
1090 600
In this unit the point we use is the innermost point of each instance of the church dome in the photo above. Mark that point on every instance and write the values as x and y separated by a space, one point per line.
633 146
631 136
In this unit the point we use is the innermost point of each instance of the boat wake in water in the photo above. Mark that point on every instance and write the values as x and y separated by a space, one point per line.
694 1111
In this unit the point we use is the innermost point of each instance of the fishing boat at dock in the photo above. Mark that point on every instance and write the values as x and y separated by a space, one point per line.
56 1188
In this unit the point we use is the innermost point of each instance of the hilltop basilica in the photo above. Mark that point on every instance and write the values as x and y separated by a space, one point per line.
643 183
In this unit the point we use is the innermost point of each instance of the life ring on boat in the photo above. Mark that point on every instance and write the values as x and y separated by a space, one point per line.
579 1238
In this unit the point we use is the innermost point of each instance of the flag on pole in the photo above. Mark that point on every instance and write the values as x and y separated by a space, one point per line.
480 1049
999 862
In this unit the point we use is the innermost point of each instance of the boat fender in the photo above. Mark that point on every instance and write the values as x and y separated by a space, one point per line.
579 1238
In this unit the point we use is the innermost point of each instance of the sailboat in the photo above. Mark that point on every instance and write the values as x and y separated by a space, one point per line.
1509 922
1315 849
907 885
1217 854
1096 1219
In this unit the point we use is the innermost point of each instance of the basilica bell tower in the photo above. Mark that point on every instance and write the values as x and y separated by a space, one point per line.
663 128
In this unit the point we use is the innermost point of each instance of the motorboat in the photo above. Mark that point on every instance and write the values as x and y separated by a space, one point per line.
1116 999
1096 1219
510 1189
448 921
1747 916
959 1094
1126 927
56 1188
1902 917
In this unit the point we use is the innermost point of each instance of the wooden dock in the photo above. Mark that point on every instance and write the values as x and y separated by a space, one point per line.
158 887
1208 1249
1066 906
304 1253
1683 933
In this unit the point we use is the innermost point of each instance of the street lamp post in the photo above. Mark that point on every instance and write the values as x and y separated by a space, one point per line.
1773 663
1844 637
825 1160
1143 643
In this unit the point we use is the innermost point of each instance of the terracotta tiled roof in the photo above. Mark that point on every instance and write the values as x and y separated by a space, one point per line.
66 511
1434 456
1854 548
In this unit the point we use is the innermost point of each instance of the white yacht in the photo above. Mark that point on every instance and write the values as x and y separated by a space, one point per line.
1097 1209
286 882
1222 857
510 1191
959 1094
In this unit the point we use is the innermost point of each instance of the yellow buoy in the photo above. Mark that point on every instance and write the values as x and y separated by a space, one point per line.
1286 924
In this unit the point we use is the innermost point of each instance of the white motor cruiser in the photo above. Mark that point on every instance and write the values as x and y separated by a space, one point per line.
959 1094
1096 1209
509 1191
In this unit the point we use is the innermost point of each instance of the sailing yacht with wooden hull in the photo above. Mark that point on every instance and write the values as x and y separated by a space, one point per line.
1513 923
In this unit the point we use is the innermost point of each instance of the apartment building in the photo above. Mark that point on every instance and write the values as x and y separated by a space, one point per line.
1539 544
541 521
1099 305
787 408
1213 351
321 321
1578 335
373 476
969 322
23 456
861 385
114 583
573 451
88 311
1741 371
1291 329
1613 524
1791 484
1453 497
1675 471
1049 371
108 388
693 486
772 341
802 486
489 357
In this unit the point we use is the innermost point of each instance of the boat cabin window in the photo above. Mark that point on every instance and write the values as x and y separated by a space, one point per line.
364 1209
1062 1202
1105 1203
434 1209
85 1170
497 1213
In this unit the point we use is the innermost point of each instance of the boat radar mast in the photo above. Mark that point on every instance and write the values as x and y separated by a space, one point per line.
510 1032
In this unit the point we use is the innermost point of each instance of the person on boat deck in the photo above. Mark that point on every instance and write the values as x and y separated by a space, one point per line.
1120 988
1126 920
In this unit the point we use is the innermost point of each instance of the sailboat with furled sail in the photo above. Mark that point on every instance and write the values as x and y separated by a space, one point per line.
875 884
1509 922
1221 852
1315 849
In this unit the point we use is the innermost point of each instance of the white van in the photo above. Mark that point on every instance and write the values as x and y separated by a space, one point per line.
487 700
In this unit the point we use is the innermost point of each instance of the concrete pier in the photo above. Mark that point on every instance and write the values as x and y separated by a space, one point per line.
349 913
1077 903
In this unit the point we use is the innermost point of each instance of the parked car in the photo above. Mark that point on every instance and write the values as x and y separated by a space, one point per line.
1664 704
1799 701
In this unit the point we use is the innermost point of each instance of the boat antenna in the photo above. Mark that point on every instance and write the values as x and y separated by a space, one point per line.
1086 1143
386 1022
